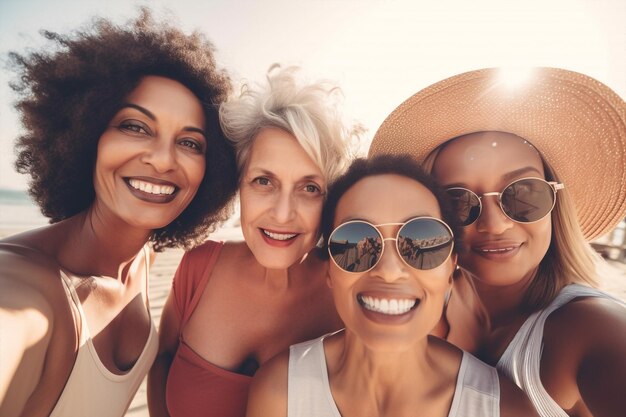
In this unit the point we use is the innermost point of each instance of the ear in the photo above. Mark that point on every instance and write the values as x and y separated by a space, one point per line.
329 280
454 258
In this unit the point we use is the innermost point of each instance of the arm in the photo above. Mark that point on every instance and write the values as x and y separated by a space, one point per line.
583 364
168 344
26 322
601 375
268 392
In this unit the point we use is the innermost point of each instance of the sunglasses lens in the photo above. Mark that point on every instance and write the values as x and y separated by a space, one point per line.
465 205
425 243
355 246
528 200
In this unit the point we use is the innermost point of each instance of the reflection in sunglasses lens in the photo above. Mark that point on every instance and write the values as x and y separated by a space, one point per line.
355 247
465 204
424 243
528 200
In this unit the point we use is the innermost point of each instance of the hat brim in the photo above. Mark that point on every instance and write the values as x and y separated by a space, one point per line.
577 123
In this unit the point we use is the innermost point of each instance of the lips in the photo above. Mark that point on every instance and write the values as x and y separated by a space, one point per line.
497 250
151 190
278 239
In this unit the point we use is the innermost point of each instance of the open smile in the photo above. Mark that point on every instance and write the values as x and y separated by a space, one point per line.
388 306
152 191
278 236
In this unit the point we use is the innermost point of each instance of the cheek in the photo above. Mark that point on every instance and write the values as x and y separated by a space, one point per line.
311 214
542 234
195 171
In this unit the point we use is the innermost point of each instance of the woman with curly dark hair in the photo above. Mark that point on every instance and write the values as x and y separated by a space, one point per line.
123 144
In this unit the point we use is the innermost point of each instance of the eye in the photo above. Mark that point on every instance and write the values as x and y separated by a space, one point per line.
312 188
134 127
192 144
264 181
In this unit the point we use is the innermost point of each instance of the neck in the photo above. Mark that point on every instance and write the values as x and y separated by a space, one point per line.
284 279
504 304
99 247
380 371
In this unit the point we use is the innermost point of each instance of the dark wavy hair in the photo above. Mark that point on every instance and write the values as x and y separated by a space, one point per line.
69 92
401 165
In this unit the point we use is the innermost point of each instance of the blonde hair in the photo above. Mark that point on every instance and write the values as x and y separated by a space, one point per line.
569 258
308 111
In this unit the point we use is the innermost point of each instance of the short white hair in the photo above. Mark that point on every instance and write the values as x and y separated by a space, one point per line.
308 111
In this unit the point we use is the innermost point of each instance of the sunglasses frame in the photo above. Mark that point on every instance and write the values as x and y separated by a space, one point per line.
383 239
554 185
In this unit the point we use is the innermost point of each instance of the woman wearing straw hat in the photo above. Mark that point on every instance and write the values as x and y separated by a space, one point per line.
533 170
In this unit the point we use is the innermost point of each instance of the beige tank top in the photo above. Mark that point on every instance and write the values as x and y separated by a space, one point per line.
92 390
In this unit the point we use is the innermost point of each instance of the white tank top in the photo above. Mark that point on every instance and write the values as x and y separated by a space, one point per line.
477 390
91 389
521 359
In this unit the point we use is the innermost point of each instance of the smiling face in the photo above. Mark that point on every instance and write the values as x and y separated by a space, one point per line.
151 158
366 301
498 250
281 194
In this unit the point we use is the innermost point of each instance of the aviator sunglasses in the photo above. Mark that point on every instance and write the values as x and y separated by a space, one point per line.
422 243
526 200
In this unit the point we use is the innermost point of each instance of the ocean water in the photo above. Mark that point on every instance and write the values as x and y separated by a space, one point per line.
18 212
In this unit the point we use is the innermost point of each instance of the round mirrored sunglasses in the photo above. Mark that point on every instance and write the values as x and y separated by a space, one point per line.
423 243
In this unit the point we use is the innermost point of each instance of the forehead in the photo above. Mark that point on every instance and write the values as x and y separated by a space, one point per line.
166 97
386 198
486 155
277 151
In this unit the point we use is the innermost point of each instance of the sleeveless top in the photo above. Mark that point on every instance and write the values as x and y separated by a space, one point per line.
91 389
521 359
477 391
196 387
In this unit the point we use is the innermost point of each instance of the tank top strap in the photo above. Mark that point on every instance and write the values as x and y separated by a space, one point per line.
477 391
213 249
74 299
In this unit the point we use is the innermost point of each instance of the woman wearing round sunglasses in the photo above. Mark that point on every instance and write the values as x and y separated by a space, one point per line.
391 262
532 171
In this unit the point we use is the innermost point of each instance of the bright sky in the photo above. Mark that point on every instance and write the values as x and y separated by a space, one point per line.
379 51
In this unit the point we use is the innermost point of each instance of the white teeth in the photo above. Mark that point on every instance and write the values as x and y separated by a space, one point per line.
391 306
148 187
279 236
496 250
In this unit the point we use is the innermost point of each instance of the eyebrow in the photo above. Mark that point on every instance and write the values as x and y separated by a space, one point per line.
154 118
269 173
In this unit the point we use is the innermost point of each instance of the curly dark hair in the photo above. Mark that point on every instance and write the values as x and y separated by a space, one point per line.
402 165
70 92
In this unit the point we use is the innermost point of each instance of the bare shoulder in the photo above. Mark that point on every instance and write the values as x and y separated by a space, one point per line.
513 401
588 323
268 393
583 362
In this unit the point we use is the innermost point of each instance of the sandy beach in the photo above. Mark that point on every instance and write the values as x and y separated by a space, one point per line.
164 267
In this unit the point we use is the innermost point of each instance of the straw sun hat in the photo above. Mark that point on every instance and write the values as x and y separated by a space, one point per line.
577 123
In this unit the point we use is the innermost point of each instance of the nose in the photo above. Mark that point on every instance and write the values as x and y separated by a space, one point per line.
390 266
161 154
492 219
284 207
